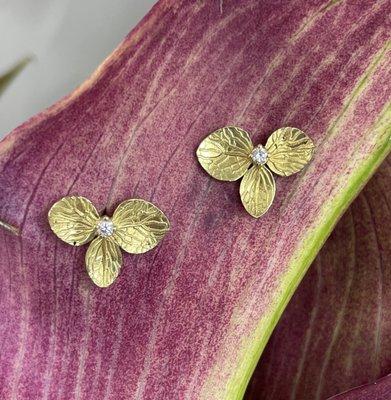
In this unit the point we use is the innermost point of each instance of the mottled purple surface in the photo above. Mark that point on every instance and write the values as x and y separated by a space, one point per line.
335 333
380 390
174 325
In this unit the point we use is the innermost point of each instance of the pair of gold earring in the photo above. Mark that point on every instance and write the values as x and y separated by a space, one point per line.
137 226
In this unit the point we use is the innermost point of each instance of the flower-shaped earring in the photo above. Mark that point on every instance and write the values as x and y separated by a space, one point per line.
136 226
227 154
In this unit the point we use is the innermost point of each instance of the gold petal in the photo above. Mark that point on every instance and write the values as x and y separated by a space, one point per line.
73 219
257 190
139 226
225 153
103 261
289 150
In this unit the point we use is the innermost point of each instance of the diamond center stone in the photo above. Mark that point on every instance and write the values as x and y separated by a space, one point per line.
105 227
259 155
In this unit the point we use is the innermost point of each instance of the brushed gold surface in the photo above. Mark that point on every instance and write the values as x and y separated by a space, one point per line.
73 219
289 151
257 190
103 261
227 154
140 226
137 226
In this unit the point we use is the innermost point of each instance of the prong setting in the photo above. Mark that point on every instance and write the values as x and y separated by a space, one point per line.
259 155
105 227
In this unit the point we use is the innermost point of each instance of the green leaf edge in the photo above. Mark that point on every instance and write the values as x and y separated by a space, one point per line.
312 242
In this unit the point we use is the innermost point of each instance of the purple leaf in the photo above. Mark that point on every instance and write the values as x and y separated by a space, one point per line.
379 390
189 319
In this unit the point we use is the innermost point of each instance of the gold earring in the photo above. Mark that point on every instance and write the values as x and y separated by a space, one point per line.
137 226
227 154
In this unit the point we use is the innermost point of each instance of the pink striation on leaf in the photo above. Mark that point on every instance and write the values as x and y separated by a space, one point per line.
188 320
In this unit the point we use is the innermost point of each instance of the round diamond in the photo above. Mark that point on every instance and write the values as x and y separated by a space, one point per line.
259 155
105 227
